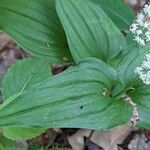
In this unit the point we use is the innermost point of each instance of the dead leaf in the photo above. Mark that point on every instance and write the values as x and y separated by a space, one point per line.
107 140
22 145
4 40
139 143
131 2
58 130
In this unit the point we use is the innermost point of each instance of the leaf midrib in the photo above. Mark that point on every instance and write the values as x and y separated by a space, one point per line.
9 100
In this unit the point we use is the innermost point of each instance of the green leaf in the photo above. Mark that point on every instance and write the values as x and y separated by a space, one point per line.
141 96
22 133
72 99
133 85
90 32
23 75
34 25
125 65
120 13
128 63
6 144
1 147
35 146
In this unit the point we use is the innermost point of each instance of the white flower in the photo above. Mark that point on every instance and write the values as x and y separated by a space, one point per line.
139 32
141 26
148 57
138 70
144 70
139 40
134 28
146 25
146 9
147 35
140 19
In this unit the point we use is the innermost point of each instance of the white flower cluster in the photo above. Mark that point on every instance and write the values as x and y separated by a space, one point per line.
144 70
141 26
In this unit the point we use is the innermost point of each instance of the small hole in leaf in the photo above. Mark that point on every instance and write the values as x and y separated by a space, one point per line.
81 107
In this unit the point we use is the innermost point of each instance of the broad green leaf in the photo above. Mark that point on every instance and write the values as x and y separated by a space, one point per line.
6 144
23 75
133 85
22 133
35 146
1 147
131 41
120 13
128 63
72 99
141 96
90 32
34 25
125 66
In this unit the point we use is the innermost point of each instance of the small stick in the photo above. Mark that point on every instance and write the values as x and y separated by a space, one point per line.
88 139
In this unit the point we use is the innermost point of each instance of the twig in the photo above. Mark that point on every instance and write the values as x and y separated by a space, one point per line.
88 139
